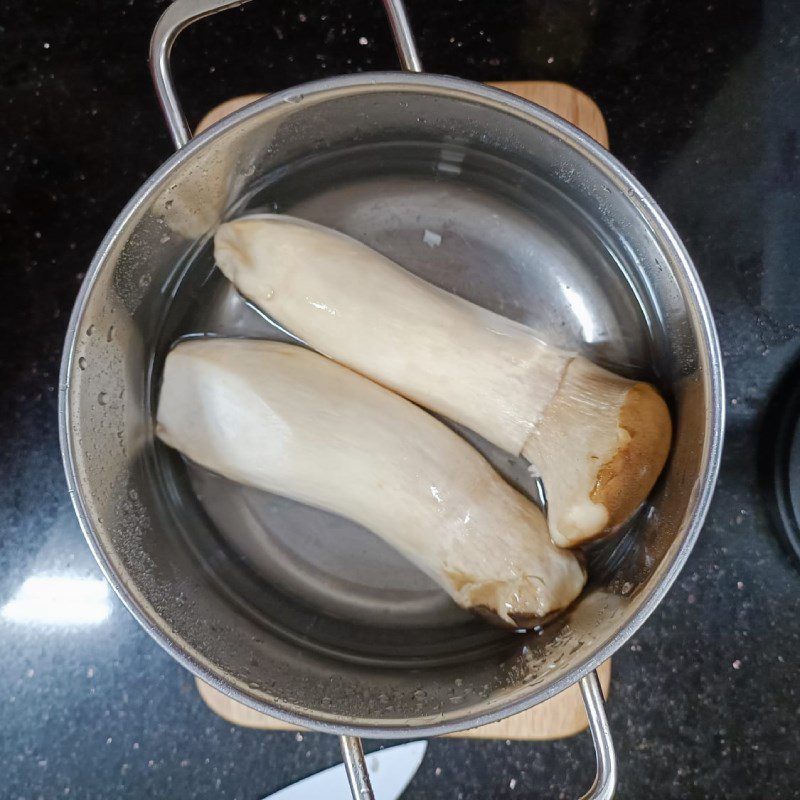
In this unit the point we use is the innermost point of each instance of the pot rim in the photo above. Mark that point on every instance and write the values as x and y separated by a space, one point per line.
650 213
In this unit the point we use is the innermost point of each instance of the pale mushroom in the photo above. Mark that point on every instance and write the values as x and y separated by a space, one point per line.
286 420
599 441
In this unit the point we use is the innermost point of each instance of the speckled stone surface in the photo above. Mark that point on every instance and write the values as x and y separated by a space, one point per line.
703 103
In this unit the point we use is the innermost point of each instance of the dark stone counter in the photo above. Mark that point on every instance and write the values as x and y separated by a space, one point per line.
703 103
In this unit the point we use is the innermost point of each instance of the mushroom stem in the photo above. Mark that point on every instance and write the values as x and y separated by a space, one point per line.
284 419
599 441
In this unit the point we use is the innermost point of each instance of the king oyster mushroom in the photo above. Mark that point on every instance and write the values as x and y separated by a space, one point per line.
599 441
284 419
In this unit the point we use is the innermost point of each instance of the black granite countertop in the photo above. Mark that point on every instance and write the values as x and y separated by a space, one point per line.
703 104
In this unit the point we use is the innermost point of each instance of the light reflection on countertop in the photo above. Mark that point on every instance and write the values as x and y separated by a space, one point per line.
59 600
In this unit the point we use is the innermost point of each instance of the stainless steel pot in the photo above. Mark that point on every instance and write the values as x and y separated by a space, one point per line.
478 191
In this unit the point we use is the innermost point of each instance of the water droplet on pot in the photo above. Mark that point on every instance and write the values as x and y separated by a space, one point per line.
102 398
269 293
110 334
90 330
249 171
82 363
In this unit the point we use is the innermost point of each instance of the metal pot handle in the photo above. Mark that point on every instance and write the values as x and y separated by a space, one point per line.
178 16
182 13
605 781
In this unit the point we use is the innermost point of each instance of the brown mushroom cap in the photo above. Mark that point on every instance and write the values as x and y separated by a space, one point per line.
626 479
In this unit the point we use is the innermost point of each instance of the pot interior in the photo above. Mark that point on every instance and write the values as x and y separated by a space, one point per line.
295 610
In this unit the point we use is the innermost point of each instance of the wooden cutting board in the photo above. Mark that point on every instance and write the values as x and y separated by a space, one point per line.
561 716
564 714
571 104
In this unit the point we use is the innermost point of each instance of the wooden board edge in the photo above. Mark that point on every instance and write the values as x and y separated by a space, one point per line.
557 718
568 102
